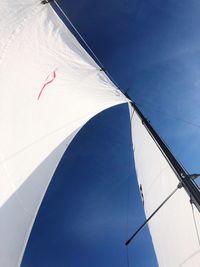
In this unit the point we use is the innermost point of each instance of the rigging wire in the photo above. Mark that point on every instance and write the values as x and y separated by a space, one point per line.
152 215
88 47
167 114
128 195
127 257
77 32
195 222
127 217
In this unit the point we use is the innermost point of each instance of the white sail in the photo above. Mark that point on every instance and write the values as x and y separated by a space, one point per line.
173 230
50 87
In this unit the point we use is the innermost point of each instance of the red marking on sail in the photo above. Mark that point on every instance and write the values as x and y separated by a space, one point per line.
46 83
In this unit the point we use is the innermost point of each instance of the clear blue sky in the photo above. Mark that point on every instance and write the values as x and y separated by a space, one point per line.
151 48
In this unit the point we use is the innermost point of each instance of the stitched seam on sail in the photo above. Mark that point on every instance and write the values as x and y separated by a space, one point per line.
18 30
86 54
41 139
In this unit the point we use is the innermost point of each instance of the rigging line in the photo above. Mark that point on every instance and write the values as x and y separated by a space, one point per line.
128 196
127 257
88 47
195 222
168 114
127 216
80 36
149 218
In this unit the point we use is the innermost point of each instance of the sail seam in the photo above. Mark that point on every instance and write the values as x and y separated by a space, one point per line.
41 139
97 61
128 198
195 223
80 36
156 109
17 30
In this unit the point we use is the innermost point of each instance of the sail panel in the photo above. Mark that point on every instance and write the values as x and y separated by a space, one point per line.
19 211
173 230
50 87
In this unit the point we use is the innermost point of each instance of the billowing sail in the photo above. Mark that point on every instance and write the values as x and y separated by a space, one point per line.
50 87
175 227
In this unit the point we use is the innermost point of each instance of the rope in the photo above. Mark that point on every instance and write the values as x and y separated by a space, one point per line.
127 257
88 47
128 195
80 36
127 217
167 114
195 222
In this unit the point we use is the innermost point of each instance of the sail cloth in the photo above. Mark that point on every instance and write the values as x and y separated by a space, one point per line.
173 229
50 87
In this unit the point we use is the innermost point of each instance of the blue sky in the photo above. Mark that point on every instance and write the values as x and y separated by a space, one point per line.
152 49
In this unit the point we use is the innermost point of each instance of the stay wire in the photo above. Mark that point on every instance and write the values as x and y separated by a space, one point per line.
128 195
88 47
127 215
170 116
195 222
77 32
127 257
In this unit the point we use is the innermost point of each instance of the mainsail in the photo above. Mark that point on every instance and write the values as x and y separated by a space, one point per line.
50 87
175 227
